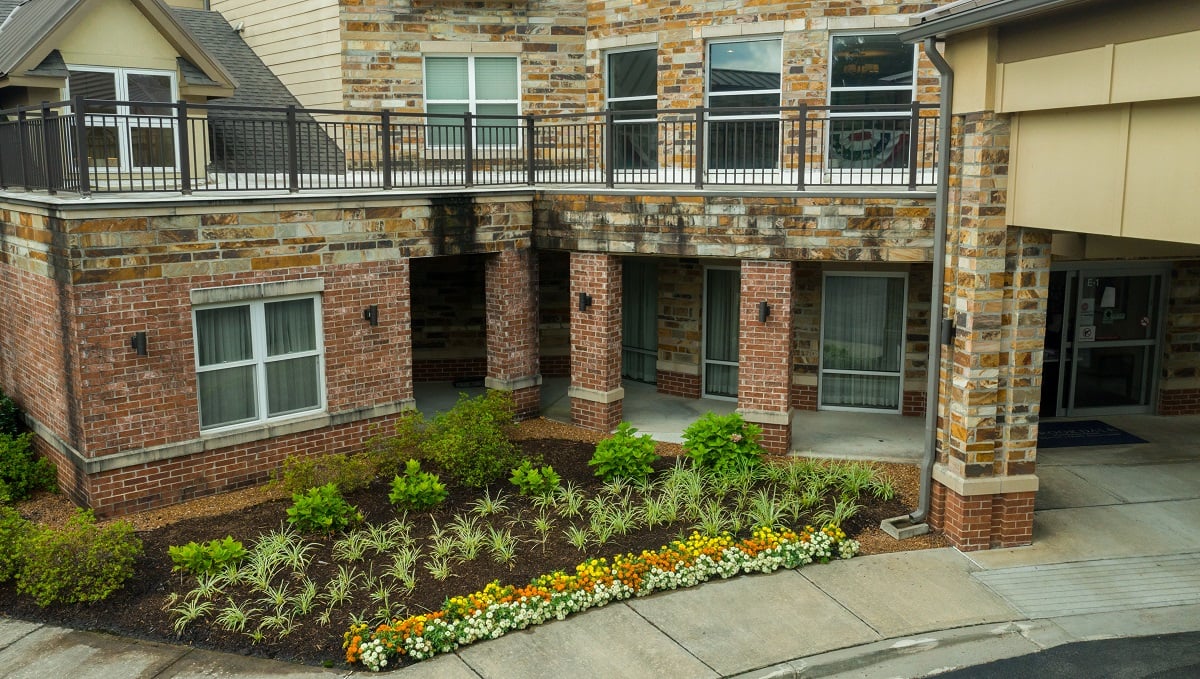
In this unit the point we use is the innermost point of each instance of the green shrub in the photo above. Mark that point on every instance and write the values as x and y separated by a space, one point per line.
536 481
624 455
14 530
469 442
722 443
200 559
10 416
392 453
416 489
347 472
322 509
82 562
21 470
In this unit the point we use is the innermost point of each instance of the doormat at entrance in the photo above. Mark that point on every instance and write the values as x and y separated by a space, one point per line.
1083 433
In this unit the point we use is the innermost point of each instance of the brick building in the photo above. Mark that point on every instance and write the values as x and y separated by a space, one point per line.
728 204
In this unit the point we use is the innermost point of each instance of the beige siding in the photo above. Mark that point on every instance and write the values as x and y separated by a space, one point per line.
298 39
90 41
1162 200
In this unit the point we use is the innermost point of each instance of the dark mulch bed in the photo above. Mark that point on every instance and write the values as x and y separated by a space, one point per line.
138 609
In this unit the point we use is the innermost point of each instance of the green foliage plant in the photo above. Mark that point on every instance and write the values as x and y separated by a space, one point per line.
416 489
347 472
14 530
81 562
535 481
723 443
211 557
322 510
21 470
391 454
470 441
624 455
10 416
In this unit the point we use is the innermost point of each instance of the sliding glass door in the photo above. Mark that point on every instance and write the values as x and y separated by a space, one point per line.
862 341
639 309
722 289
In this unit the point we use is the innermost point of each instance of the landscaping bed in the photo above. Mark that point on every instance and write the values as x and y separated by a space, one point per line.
303 614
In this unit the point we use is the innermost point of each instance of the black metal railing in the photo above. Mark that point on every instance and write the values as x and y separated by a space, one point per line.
101 146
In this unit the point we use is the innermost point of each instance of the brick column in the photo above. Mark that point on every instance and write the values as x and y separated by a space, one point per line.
511 281
595 392
765 351
984 482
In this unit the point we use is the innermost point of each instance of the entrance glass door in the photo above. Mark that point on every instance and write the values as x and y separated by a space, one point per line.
722 299
639 309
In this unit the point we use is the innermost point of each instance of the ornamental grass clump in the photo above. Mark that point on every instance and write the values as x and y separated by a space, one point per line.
498 609
723 443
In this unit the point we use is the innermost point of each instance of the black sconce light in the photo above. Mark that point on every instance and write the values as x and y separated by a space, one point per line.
764 310
371 314
138 342
585 301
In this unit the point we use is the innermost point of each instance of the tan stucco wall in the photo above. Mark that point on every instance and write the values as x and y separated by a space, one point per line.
115 33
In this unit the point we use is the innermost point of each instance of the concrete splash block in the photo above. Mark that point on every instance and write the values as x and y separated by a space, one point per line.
902 528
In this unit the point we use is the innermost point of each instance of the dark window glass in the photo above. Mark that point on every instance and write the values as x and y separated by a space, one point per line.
879 60
633 74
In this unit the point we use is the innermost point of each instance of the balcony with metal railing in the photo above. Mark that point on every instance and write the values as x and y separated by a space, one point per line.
86 147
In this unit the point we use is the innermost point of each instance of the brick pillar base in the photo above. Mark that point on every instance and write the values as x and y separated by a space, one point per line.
975 522
776 438
529 402
593 415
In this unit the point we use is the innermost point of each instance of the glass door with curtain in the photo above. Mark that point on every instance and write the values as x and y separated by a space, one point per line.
862 341
639 310
722 292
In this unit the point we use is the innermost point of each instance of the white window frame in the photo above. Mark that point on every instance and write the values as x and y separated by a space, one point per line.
708 103
472 101
123 119
259 359
911 88
903 345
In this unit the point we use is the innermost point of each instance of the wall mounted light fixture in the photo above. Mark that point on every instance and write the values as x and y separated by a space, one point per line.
764 310
585 301
371 314
138 342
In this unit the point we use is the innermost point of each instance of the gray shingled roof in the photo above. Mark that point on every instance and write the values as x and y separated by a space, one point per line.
25 24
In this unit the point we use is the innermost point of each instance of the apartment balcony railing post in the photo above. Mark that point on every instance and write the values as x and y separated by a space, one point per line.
385 148
23 147
293 150
468 149
914 127
802 152
530 152
181 145
699 147
609 149
81 151
51 148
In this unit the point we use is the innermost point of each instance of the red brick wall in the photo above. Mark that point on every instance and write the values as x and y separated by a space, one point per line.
512 324
1179 402
765 348
982 521
804 396
678 384
447 369
596 337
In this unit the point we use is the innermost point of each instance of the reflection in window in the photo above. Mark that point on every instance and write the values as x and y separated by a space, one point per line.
874 72
633 93
746 76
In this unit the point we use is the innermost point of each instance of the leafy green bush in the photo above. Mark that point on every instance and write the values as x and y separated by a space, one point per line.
416 489
82 562
536 481
722 443
347 472
624 455
21 470
322 509
14 530
392 453
200 559
469 441
10 416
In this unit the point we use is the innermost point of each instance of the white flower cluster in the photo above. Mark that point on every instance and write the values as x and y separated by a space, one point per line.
374 656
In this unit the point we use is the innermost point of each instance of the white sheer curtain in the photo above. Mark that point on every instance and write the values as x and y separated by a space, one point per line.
862 355
639 308
291 383
721 332
227 395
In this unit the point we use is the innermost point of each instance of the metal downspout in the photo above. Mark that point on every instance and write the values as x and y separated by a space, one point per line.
913 523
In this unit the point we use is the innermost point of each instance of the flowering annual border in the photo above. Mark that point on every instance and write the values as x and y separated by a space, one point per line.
501 608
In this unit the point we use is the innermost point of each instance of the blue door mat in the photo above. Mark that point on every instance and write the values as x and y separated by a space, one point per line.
1082 433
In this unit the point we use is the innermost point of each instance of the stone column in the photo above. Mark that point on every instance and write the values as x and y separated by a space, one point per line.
511 281
984 483
595 392
765 351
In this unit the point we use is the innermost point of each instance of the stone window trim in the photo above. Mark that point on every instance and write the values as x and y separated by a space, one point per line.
289 378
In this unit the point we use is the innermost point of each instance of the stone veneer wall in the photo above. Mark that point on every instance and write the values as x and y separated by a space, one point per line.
680 298
448 326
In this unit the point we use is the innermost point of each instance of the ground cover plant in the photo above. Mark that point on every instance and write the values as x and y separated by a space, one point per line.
321 594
